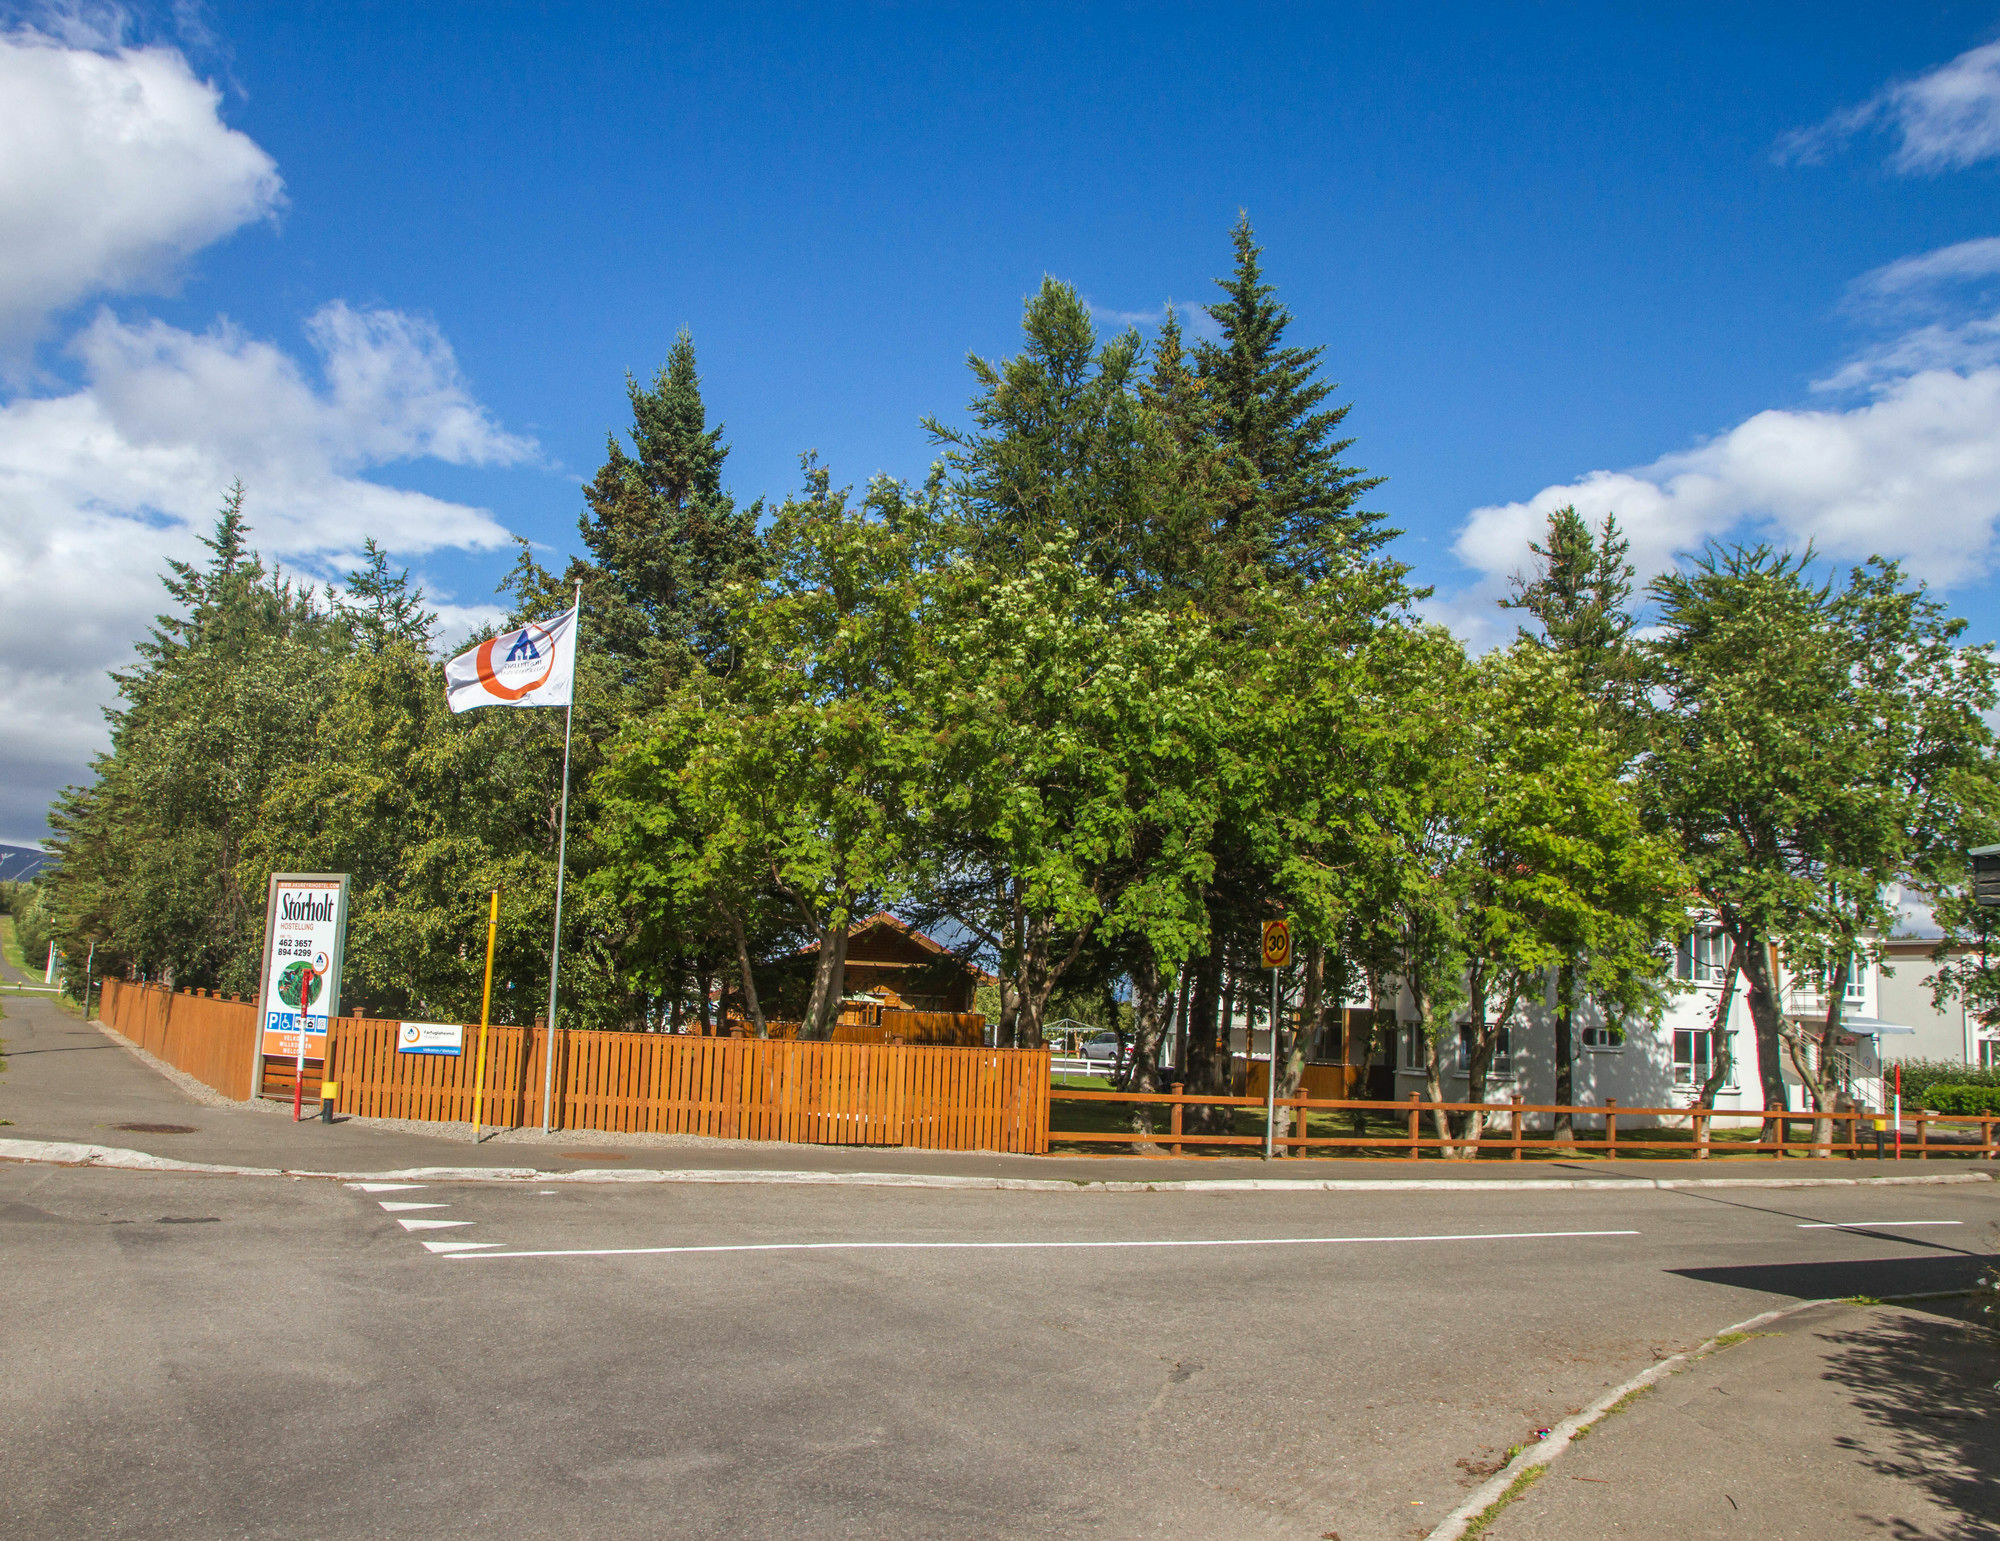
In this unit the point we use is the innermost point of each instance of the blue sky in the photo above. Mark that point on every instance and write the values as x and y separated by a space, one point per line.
1719 269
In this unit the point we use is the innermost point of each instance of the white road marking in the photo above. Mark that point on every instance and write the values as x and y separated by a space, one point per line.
383 1187
393 1205
989 1246
427 1225
1868 1225
460 1246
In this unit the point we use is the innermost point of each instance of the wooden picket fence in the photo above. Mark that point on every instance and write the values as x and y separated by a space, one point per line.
210 1038
1595 1128
726 1088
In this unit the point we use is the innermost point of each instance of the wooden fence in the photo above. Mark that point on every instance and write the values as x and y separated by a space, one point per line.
211 1039
1595 1129
726 1088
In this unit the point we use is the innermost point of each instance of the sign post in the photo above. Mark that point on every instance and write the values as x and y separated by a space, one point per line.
305 945
485 1011
1277 954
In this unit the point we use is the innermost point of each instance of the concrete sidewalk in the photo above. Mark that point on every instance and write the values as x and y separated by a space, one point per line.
1837 1421
73 1082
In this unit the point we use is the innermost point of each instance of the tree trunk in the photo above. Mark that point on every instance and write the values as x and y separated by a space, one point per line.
829 979
1767 1017
1565 1049
1826 1083
1149 1027
705 983
1206 1069
750 1001
1719 1056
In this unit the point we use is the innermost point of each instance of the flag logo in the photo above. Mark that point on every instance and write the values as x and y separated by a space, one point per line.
529 666
525 667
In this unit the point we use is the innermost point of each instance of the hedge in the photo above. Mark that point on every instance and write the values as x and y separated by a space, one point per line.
1963 1099
1920 1075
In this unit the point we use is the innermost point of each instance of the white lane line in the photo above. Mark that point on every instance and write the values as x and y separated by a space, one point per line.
392 1205
460 1246
428 1225
990 1246
1868 1225
383 1187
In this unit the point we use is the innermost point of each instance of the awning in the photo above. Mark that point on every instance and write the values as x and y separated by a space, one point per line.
1873 1027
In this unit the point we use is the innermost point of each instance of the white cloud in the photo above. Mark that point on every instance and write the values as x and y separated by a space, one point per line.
1947 303
115 166
1914 277
1944 120
98 487
1913 473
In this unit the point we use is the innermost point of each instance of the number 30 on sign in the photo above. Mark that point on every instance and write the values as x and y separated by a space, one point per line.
1277 943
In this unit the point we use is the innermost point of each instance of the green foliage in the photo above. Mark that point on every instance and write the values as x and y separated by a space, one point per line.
1920 1075
1948 1097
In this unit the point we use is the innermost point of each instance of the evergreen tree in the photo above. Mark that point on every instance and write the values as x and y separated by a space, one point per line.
385 607
1302 518
664 536
1579 596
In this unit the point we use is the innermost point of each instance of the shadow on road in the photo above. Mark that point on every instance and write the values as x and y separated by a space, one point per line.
1878 1277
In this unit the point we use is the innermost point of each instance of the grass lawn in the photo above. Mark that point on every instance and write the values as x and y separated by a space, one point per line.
10 944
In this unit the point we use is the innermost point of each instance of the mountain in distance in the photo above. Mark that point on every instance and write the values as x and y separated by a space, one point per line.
18 863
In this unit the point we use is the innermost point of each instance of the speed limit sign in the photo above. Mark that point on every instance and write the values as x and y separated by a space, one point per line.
1277 943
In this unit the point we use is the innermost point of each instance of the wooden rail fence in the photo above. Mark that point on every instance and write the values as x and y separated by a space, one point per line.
726 1088
928 1097
1417 1133
210 1038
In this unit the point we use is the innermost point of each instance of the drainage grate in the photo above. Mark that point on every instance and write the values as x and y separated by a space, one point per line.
158 1128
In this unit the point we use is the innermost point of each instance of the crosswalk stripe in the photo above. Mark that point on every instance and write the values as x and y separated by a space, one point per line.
395 1204
427 1225
460 1246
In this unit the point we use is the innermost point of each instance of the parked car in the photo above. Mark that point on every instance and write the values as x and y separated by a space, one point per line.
1105 1048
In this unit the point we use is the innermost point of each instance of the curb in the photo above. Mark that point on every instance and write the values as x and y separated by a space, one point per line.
1564 1434
57 1153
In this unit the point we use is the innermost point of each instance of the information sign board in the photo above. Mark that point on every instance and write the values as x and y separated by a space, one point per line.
430 1038
305 934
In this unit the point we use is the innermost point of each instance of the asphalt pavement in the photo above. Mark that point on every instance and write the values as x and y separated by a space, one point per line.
197 1356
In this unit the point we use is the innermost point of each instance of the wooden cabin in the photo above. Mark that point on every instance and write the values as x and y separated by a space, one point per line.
897 966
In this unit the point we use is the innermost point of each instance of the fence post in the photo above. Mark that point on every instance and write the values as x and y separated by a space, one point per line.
1517 1127
1416 1122
1701 1135
1923 1136
1986 1138
1299 1125
1175 1125
1610 1126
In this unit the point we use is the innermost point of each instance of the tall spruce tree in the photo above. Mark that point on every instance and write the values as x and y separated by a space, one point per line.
1301 518
1579 597
664 535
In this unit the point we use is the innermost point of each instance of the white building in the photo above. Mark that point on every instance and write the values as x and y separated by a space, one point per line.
1665 1064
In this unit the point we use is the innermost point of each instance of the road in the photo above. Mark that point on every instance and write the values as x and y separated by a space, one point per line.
207 1356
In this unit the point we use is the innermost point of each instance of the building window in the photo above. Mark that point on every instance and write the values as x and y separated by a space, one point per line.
1413 1049
1603 1038
1989 1053
1856 993
1503 1052
1692 1060
1701 956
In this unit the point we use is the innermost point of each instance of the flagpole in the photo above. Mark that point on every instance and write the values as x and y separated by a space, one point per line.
562 849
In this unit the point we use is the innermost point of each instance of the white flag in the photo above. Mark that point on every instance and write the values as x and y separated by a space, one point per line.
530 667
